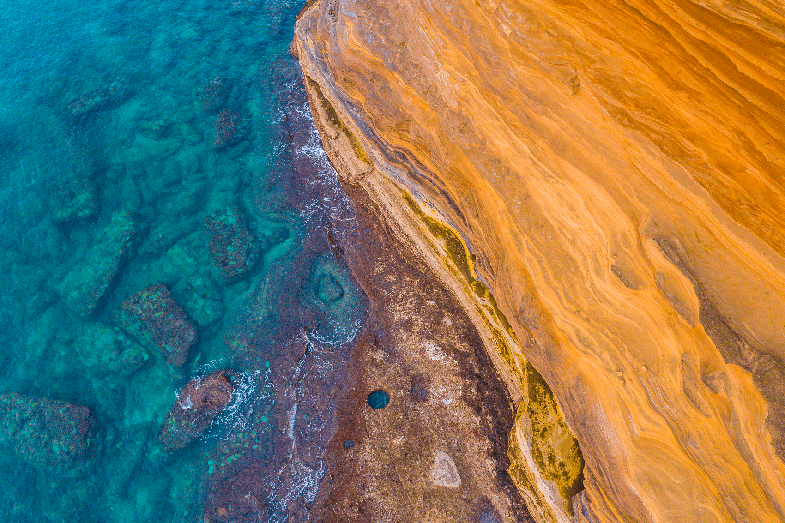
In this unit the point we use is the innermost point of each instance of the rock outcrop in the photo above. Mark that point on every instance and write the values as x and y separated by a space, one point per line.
599 184
201 400
86 285
232 126
233 246
154 317
45 433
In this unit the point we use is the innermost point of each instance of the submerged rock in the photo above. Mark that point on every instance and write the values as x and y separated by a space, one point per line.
334 299
96 100
44 432
109 351
234 248
73 199
215 94
231 127
85 286
201 400
156 319
202 299
328 290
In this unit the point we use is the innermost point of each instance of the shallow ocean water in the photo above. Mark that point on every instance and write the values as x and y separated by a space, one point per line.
124 126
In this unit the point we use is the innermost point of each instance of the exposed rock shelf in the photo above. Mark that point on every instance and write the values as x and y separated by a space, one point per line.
615 170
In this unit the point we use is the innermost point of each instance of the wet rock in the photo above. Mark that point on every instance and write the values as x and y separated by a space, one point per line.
201 400
43 432
85 286
73 199
231 127
215 94
234 248
488 515
155 318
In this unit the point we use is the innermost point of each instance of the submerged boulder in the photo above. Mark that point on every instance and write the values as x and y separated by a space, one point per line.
201 400
73 199
231 127
44 432
202 299
233 247
156 319
215 94
108 351
98 99
85 286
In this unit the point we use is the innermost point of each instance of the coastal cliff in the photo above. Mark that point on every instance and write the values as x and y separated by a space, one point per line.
599 185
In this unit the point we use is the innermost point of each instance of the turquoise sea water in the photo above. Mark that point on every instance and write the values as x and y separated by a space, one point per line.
128 129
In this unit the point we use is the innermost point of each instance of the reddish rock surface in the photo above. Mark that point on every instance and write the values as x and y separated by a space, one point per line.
233 247
231 128
44 432
201 400
155 318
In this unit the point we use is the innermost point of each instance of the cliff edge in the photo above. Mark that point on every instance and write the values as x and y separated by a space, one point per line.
599 183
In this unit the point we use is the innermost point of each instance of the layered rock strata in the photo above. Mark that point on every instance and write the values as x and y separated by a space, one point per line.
599 185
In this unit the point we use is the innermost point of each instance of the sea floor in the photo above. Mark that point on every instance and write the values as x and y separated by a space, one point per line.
166 213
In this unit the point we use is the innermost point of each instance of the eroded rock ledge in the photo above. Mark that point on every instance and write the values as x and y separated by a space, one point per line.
599 185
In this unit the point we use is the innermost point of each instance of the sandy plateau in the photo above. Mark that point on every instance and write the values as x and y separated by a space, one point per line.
598 186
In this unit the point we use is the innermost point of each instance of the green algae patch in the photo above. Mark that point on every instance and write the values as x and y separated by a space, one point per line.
463 260
336 122
456 249
539 420
554 449
525 480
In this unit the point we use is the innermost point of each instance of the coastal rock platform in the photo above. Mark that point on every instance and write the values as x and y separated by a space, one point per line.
597 185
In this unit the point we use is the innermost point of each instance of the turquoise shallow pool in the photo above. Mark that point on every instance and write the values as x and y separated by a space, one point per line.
164 214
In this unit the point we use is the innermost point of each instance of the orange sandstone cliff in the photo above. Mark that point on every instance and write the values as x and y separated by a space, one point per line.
601 183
